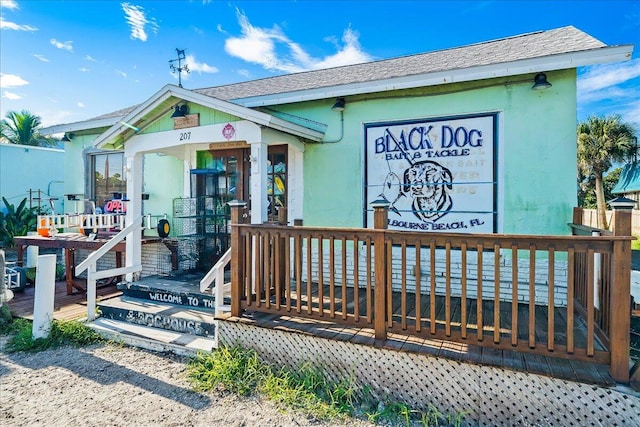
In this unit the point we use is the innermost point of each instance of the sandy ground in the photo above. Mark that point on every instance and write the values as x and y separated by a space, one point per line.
110 385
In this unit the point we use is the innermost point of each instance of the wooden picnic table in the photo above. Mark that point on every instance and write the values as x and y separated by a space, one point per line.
70 242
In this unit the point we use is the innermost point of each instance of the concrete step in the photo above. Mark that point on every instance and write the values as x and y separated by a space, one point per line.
153 339
177 318
168 291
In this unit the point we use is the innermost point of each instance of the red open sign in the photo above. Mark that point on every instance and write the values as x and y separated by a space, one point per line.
115 206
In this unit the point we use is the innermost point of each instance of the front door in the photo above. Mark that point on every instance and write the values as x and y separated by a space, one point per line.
223 177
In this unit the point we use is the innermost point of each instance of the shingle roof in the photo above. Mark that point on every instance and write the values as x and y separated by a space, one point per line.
525 46
522 47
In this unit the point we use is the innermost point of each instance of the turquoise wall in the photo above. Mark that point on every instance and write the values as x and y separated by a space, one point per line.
536 148
24 168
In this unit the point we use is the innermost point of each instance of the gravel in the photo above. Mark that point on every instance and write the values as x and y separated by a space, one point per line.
112 385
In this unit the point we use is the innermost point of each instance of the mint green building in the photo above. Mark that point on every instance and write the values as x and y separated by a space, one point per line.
475 139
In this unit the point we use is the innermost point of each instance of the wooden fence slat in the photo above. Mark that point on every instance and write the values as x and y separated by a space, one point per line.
369 277
463 280
403 286
570 295
320 277
418 272
287 272
496 293
551 299
332 278
480 327
514 295
590 303
447 304
356 281
298 274
532 296
344 278
309 275
432 293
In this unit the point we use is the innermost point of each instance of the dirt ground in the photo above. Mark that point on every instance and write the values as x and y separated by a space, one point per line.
112 385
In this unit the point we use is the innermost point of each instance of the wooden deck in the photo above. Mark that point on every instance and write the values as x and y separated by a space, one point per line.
66 307
568 369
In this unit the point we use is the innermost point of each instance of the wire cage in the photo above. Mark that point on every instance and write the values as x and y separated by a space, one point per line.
200 226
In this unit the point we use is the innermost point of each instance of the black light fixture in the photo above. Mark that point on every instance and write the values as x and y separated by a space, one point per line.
180 111
68 136
339 105
540 82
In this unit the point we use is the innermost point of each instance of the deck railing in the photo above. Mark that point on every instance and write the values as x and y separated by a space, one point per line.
533 294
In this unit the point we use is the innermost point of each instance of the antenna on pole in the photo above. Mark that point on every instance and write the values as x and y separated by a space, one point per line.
180 68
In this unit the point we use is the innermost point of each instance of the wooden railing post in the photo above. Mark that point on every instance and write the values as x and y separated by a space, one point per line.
237 256
620 303
578 215
380 222
282 262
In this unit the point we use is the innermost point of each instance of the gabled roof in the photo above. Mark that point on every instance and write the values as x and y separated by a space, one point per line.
556 49
164 100
629 181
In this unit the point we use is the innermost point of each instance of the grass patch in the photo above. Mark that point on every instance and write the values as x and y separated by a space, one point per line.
62 333
635 244
305 390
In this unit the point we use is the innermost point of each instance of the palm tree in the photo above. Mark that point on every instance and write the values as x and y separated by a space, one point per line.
23 128
602 141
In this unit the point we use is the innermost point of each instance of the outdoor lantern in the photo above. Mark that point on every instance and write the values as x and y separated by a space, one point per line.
180 111
540 82
339 105
622 203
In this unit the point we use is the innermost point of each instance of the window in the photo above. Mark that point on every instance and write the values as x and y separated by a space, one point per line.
276 180
107 177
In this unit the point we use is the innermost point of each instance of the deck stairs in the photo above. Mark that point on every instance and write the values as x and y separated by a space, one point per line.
161 313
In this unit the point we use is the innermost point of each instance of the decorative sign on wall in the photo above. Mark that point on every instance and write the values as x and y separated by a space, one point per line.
437 175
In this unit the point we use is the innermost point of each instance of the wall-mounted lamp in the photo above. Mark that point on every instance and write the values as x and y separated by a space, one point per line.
339 105
540 82
180 111
68 136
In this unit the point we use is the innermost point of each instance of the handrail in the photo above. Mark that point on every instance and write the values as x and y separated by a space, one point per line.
216 274
91 261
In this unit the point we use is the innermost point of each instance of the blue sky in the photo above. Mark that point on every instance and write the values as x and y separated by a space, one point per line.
68 61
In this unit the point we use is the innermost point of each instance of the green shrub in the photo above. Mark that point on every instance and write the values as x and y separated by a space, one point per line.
17 221
62 333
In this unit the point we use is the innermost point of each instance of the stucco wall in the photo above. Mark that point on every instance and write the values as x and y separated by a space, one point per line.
24 167
536 149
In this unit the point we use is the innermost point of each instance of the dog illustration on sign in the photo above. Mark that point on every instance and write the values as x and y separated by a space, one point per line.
428 183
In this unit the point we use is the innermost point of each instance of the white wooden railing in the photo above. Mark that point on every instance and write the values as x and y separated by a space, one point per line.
93 275
216 275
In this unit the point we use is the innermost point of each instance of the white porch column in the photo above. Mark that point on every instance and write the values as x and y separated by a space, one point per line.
134 208
258 189
295 177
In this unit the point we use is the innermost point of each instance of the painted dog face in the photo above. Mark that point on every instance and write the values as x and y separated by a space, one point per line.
429 184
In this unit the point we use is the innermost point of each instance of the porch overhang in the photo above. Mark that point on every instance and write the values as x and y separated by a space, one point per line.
161 103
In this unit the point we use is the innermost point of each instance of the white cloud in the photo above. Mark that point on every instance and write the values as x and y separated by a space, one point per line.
84 69
244 73
68 45
10 95
41 57
122 73
199 67
8 4
7 25
80 104
89 58
138 21
11 80
264 46
601 81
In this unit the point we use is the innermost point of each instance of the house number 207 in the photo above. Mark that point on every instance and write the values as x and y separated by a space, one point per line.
185 136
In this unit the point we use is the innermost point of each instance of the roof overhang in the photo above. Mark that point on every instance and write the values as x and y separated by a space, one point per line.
163 101
79 126
505 69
